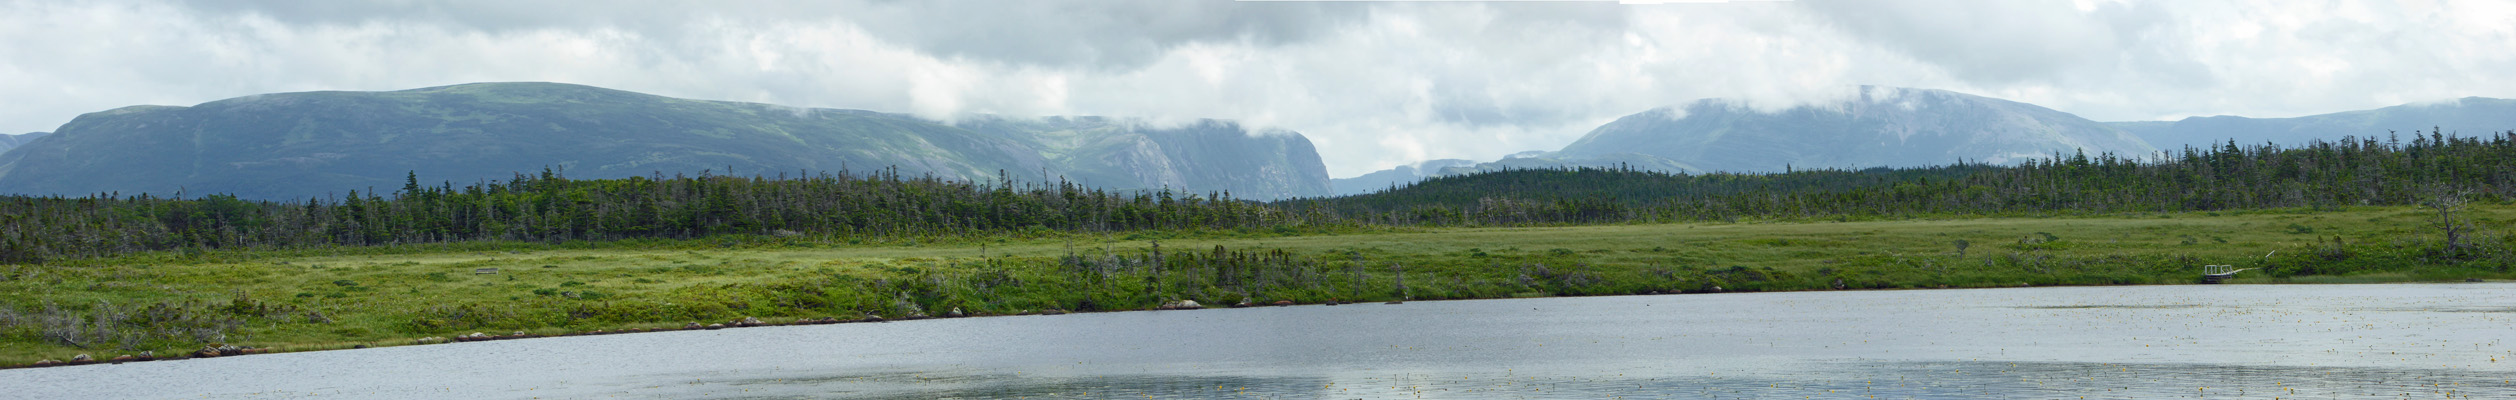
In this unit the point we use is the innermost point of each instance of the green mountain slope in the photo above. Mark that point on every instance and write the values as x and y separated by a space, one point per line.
297 145
2469 116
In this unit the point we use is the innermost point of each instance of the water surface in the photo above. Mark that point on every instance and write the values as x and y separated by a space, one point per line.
2221 341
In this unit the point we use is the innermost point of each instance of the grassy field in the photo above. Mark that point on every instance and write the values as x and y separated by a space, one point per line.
336 298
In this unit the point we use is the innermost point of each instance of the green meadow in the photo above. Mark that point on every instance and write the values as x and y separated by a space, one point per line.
341 297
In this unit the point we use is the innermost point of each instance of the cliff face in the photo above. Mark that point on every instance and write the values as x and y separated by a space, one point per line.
1205 156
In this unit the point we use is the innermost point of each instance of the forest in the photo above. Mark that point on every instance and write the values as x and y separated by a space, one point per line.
549 207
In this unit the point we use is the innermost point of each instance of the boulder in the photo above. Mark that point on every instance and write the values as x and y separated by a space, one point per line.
716 326
693 325
1282 302
1182 304
956 313
125 358
82 357
47 361
747 322
1245 302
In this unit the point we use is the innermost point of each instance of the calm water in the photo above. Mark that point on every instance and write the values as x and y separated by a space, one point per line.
2234 341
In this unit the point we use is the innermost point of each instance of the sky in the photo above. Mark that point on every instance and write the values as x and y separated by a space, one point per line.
1371 84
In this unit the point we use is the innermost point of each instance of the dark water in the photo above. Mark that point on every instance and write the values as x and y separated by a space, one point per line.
2234 341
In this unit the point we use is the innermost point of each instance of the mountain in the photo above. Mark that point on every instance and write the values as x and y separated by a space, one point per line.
1203 157
1400 175
2469 116
1880 127
1892 127
313 144
13 141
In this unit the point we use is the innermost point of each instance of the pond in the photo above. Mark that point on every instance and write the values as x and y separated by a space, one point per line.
2184 341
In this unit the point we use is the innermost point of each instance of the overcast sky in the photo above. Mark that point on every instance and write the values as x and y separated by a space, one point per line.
1372 84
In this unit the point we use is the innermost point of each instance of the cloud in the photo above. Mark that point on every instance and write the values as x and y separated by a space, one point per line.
1375 85
1988 41
1092 34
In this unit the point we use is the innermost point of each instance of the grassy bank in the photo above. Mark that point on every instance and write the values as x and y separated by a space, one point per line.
172 303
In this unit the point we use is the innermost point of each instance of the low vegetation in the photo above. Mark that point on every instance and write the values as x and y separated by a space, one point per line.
172 302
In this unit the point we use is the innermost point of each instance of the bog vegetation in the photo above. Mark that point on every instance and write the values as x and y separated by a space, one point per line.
546 254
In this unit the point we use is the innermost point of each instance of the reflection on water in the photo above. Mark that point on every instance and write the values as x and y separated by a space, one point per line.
2219 341
2124 306
1883 380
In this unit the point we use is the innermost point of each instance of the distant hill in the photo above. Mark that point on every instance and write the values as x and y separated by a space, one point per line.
2469 116
1891 127
13 141
1631 187
314 144
1881 127
1401 175
1204 157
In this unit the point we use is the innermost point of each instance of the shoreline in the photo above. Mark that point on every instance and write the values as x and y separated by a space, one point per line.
752 322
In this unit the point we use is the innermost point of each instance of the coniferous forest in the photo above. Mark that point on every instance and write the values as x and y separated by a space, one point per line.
548 207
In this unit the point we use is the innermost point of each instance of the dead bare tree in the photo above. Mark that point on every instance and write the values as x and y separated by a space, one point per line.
2448 203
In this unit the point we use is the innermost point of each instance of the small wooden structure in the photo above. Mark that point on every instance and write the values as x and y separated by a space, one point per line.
2214 274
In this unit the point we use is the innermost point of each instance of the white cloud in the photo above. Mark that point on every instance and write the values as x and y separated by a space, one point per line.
1375 85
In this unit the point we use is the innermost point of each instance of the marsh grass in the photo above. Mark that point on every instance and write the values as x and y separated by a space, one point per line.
311 299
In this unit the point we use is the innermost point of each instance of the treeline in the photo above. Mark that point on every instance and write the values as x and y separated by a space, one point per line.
550 207
2353 171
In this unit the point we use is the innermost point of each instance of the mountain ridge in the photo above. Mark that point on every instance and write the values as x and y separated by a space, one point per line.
303 144
13 141
1875 127
1879 126
2472 115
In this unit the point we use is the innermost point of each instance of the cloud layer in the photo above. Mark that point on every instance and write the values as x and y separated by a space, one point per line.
1374 84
